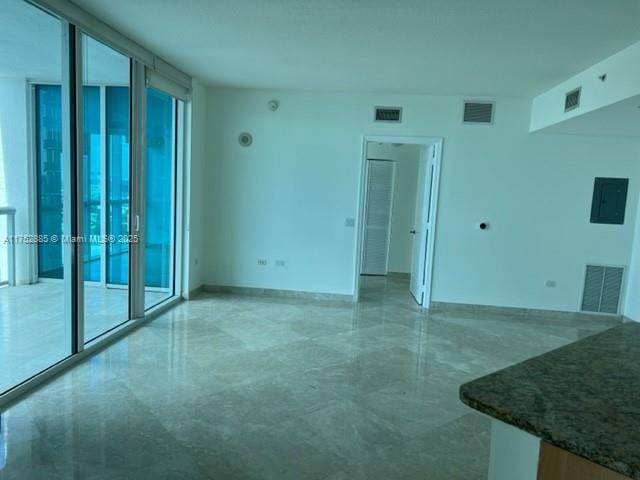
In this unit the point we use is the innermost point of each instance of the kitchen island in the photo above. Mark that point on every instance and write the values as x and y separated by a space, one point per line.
572 413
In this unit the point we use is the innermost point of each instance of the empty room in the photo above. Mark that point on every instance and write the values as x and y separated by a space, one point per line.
319 240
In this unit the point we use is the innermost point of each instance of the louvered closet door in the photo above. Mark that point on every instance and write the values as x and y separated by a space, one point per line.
378 217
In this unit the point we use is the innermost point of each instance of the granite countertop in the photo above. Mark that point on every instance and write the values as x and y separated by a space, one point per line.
583 397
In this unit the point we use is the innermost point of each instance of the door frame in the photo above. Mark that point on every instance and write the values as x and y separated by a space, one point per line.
425 141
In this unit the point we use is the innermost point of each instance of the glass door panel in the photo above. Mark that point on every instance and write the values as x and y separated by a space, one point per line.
117 109
159 224
35 323
48 121
91 183
105 188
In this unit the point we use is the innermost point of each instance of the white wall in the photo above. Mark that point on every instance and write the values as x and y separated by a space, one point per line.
14 170
404 200
287 197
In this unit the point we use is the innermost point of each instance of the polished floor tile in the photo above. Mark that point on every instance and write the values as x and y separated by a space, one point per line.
35 333
242 387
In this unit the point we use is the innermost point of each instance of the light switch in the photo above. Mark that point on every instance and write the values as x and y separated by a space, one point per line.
350 222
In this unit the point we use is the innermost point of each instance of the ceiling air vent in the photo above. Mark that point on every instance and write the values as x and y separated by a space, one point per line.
602 287
572 99
478 112
388 114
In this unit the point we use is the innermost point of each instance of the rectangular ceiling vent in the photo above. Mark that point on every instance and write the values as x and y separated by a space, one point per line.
572 99
388 114
602 289
478 112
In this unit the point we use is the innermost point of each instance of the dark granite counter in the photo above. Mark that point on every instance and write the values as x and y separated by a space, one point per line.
583 398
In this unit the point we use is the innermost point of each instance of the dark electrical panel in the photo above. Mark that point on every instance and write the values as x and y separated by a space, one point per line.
609 200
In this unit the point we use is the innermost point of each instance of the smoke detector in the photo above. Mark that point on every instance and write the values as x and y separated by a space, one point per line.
245 139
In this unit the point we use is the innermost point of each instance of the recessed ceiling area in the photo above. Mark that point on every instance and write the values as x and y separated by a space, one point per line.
621 119
440 47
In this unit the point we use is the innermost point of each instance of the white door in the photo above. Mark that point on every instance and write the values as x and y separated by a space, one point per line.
379 206
422 224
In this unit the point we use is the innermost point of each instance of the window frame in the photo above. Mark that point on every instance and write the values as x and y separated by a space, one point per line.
74 23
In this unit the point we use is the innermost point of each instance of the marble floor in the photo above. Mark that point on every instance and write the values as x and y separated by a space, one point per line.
35 333
241 387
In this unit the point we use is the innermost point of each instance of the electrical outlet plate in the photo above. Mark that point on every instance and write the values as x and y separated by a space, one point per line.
550 283
279 263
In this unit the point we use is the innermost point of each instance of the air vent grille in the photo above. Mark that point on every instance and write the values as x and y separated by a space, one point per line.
478 112
388 114
602 287
572 100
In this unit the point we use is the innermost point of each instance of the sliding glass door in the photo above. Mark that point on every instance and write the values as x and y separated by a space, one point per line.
105 173
88 218
160 192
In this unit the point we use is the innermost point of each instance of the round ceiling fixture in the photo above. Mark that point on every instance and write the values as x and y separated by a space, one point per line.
273 105
245 139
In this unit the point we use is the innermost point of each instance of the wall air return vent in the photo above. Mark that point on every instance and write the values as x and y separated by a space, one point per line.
572 100
388 114
478 112
602 288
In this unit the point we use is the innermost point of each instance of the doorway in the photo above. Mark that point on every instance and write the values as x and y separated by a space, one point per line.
397 216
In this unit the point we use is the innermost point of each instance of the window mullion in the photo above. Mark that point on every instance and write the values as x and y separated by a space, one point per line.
72 123
137 186
104 185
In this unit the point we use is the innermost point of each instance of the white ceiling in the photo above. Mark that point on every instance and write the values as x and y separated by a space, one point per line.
481 47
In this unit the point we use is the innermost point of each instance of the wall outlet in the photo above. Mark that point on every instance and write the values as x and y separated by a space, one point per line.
350 222
550 283
262 262
279 263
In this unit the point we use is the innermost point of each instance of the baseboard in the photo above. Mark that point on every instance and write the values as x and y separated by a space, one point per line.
446 307
272 292
193 293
